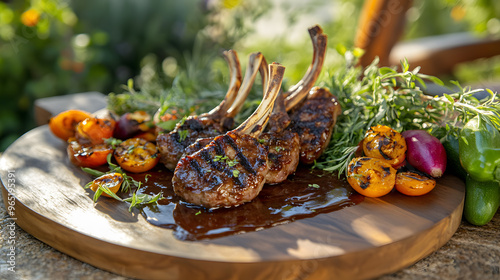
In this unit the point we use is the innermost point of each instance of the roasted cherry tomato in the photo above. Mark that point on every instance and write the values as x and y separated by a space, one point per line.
414 184
385 143
94 130
136 155
88 155
112 181
63 125
371 177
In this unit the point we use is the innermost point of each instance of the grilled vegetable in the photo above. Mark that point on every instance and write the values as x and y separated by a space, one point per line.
108 181
88 155
63 125
371 177
386 143
94 130
136 155
414 184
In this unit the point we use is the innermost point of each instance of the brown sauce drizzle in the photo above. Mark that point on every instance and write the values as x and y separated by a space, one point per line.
305 194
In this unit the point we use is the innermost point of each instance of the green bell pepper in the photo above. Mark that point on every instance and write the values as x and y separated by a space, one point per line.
479 150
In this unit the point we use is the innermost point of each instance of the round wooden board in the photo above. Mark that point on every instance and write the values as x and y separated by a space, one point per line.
375 237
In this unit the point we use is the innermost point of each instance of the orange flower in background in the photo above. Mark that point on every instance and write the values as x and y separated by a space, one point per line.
458 13
30 17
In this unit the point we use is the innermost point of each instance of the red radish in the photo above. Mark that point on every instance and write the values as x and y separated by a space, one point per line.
425 152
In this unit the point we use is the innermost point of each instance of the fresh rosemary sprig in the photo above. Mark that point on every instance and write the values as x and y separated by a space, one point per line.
463 105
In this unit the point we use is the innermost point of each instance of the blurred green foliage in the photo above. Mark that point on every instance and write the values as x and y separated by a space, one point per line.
63 46
172 49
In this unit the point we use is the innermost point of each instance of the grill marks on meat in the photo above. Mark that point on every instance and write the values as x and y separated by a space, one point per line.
231 169
172 145
283 158
227 172
314 122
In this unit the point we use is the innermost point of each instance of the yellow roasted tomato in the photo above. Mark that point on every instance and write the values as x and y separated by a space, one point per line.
112 181
371 177
136 155
414 184
385 143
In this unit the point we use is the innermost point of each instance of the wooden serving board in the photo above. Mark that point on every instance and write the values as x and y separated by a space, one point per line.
375 237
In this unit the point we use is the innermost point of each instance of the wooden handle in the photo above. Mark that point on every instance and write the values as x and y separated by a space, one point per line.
380 26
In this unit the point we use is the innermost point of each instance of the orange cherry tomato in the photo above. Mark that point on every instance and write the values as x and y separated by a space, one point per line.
112 181
385 143
63 125
136 155
371 177
94 130
88 155
414 184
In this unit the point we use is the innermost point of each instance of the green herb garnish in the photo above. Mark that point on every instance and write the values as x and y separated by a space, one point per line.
182 134
316 186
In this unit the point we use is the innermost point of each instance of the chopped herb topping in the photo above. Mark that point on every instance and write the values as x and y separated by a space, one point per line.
182 134
236 173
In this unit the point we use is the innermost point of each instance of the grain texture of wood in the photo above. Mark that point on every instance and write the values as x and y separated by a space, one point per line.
373 238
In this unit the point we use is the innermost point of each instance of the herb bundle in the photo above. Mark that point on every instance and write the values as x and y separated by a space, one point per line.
381 95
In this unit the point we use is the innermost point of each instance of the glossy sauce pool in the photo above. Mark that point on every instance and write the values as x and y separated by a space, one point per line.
305 194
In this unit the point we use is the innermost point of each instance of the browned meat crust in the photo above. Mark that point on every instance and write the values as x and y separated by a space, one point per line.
314 122
283 155
172 145
228 172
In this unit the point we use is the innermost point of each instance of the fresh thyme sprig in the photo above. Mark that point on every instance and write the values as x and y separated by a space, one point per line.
140 199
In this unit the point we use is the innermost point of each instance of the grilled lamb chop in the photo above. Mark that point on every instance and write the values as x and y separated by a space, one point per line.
314 121
231 169
256 62
284 144
172 145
